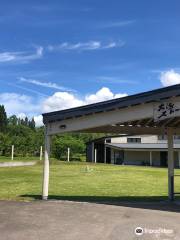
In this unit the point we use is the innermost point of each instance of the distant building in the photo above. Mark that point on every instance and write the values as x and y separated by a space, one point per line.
149 150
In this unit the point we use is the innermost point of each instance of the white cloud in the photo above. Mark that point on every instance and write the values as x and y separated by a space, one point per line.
26 57
111 45
20 57
28 89
115 80
114 44
169 78
102 95
38 120
61 100
116 24
44 84
85 46
21 115
23 105
64 100
18 104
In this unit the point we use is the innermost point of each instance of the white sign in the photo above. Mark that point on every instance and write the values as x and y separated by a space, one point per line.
163 110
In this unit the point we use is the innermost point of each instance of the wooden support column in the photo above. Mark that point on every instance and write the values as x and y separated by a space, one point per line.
150 158
112 156
104 153
92 155
179 158
170 165
46 167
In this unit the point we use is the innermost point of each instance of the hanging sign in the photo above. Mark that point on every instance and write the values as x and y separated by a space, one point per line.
163 110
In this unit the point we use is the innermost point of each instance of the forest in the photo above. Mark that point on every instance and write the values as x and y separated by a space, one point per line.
27 139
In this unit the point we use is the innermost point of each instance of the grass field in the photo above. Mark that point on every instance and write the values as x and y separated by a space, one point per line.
73 181
23 159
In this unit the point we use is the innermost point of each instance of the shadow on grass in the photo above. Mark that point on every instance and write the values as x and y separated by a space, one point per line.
144 202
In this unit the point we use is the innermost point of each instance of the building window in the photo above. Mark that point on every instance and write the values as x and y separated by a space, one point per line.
134 140
162 137
176 137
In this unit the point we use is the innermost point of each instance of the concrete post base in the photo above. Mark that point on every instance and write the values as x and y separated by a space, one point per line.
44 198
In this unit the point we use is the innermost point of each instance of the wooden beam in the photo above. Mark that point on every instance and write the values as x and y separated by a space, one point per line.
177 123
168 122
149 122
105 118
126 130
141 122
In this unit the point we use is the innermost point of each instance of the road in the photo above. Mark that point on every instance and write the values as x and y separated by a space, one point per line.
55 220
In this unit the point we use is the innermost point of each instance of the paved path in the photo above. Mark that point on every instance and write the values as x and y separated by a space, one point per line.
17 164
63 220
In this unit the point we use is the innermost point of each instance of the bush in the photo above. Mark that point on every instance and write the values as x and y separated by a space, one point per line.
62 143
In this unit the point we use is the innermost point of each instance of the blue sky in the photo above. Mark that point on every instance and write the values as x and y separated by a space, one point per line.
60 54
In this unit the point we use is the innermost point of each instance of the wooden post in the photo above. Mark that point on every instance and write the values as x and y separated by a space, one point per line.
95 155
41 153
68 155
46 168
104 153
12 152
92 155
114 155
150 158
170 165
179 158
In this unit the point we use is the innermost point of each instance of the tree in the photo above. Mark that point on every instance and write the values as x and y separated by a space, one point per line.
32 124
13 120
4 144
22 122
3 119
27 138
62 142
26 121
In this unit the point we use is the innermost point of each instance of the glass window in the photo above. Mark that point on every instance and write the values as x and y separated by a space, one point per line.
162 137
134 140
177 137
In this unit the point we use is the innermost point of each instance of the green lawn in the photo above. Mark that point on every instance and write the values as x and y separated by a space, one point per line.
73 181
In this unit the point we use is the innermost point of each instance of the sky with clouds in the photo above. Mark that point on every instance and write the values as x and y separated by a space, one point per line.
61 54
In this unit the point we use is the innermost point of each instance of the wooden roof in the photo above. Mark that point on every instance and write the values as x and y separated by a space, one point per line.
119 103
